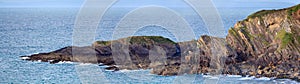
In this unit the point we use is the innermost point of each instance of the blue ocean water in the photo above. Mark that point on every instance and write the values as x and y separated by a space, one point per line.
24 31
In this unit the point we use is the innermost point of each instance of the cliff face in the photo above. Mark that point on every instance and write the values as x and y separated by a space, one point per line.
266 32
267 43
206 55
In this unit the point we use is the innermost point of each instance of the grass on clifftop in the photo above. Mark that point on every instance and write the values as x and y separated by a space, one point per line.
149 39
103 42
261 13
142 40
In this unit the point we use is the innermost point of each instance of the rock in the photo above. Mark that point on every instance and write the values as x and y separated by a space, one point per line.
267 43
113 68
296 15
268 38
54 61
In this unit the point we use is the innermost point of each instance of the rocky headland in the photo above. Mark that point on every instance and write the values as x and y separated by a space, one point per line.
265 44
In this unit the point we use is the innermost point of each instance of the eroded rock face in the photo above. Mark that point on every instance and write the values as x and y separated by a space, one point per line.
267 43
296 15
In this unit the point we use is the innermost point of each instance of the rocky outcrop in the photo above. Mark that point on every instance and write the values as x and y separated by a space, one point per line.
206 55
267 43
128 53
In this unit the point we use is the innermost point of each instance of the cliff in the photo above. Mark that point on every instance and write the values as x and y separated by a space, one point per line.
265 44
268 41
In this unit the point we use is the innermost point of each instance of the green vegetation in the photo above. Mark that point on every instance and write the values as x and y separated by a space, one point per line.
285 37
142 40
232 31
103 42
262 38
242 30
298 38
246 33
149 39
138 40
265 43
261 13
292 10
160 39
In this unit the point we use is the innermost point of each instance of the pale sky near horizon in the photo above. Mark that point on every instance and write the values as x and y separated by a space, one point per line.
128 3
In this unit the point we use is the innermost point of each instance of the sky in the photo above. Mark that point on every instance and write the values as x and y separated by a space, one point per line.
128 3
41 3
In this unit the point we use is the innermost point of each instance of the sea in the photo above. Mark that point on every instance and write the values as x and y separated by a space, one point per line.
26 31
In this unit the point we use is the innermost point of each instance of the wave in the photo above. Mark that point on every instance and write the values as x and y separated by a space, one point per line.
25 58
65 62
125 70
84 64
264 78
247 78
235 76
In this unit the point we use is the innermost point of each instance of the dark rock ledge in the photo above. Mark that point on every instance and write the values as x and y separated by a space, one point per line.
267 44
